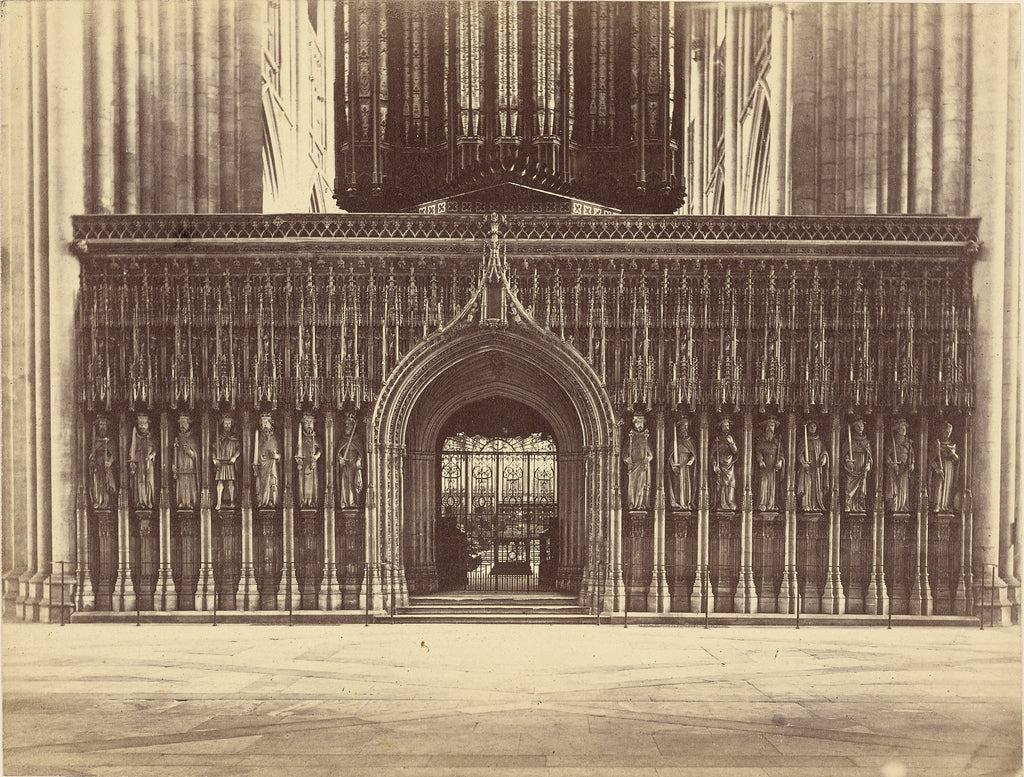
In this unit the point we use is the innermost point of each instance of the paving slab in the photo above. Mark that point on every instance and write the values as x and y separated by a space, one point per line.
469 699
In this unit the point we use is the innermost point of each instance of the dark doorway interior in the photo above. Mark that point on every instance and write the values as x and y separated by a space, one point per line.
498 511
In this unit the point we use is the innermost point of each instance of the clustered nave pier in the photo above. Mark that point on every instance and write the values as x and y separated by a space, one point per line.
792 404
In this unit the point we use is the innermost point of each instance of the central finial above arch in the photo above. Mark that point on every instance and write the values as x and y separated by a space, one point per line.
494 324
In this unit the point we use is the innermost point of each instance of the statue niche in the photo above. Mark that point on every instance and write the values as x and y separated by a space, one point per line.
226 450
185 465
943 466
142 464
769 458
637 456
723 467
351 459
102 458
812 471
266 464
307 461
857 463
898 465
681 461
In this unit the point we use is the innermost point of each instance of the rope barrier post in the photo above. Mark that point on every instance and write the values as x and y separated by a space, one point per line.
992 597
288 571
889 615
798 605
61 593
705 581
366 595
216 593
625 599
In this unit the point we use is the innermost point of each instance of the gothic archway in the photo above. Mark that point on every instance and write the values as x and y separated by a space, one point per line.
493 349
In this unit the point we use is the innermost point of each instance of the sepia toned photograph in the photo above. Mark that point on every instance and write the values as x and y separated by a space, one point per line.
570 388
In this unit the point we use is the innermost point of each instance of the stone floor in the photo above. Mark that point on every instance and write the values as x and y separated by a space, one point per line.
467 700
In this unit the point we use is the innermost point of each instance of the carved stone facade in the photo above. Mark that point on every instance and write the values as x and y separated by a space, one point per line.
174 123
341 361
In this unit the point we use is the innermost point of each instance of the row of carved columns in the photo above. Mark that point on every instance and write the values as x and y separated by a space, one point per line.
858 551
134 549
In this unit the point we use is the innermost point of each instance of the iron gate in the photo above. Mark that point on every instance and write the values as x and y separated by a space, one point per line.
498 518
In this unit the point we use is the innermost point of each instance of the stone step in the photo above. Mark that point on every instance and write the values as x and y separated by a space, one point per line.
487 601
484 617
497 609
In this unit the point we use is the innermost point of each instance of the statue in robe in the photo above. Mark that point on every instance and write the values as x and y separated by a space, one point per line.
943 468
142 464
306 459
227 449
899 464
723 467
102 457
351 458
185 465
266 463
857 463
812 470
769 459
681 460
637 455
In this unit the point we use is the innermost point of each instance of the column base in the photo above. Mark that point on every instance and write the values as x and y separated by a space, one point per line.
123 599
993 604
370 592
659 598
960 597
702 587
51 609
615 591
10 595
206 588
166 596
247 590
329 598
786 602
876 601
288 591
915 604
745 598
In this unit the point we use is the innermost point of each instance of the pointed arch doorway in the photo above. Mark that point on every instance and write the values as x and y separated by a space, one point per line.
519 366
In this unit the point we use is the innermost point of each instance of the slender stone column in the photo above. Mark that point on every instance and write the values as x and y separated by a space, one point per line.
701 581
920 592
166 596
731 161
66 195
329 598
698 46
206 587
616 588
788 589
248 592
15 229
124 593
401 584
992 91
777 88
370 592
657 592
741 599
877 599
961 594
289 585
829 594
